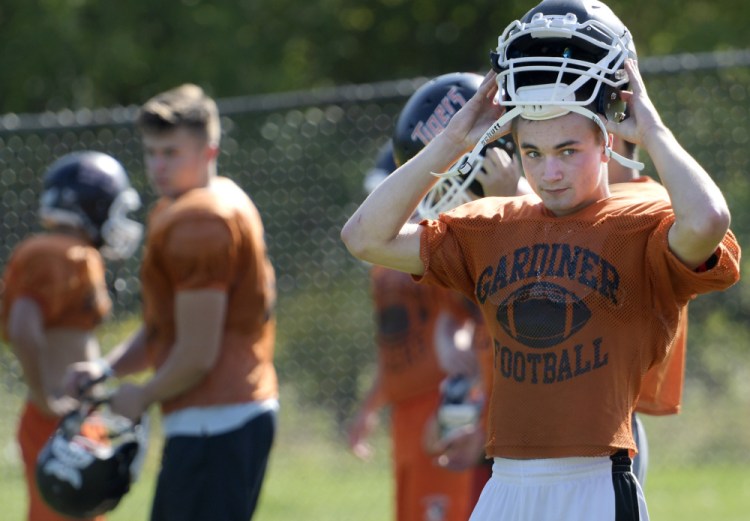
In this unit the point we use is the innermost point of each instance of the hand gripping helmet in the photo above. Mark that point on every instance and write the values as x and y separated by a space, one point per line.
89 463
425 115
91 191
562 56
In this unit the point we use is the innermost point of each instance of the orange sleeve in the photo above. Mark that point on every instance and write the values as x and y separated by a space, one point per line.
64 276
199 252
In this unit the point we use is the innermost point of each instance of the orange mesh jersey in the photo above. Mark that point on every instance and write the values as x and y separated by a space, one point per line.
406 315
213 238
661 389
579 308
65 277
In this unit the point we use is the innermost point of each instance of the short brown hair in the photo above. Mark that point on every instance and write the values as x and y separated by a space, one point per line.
186 106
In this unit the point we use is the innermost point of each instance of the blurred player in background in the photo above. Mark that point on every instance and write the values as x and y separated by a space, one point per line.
498 173
208 328
420 333
437 320
55 293
564 278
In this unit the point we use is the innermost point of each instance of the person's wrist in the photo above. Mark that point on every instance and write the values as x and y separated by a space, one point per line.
446 143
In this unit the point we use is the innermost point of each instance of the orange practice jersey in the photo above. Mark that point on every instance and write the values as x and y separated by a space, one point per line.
65 277
661 390
579 308
213 238
406 315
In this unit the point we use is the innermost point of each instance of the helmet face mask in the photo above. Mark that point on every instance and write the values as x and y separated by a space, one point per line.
426 114
562 56
447 194
90 191
564 53
121 235
452 191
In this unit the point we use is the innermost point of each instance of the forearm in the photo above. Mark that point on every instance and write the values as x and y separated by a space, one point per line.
27 341
375 231
173 378
129 357
199 320
374 399
31 372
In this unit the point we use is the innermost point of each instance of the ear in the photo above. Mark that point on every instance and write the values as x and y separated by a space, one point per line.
212 152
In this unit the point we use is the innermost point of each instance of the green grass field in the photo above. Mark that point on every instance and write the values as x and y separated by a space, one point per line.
313 477
699 471
309 477
699 493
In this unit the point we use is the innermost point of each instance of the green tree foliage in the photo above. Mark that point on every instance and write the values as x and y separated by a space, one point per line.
83 53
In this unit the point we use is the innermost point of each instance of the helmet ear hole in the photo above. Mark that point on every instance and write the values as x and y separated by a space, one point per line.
611 104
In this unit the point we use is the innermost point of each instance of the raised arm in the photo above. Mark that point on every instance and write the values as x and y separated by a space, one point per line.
701 213
379 231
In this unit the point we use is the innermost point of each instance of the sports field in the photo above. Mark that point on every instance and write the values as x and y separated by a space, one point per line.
302 158
313 477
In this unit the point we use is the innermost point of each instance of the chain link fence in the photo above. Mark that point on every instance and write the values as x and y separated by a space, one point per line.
302 156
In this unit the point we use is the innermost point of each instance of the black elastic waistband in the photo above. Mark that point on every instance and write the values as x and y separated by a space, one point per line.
621 461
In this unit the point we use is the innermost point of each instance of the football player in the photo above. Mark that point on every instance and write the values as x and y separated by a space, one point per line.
582 290
422 334
55 294
208 321
497 173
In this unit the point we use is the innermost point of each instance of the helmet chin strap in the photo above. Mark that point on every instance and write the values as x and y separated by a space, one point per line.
469 161
624 161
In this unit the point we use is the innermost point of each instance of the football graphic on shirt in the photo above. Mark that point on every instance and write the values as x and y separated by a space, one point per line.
542 314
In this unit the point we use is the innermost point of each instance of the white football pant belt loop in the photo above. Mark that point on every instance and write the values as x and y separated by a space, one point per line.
467 165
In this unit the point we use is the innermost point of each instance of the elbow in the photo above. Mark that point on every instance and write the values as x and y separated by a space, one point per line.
354 239
722 222
714 224
708 227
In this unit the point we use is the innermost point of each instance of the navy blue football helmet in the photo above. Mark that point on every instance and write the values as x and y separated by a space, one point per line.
384 166
426 114
91 191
